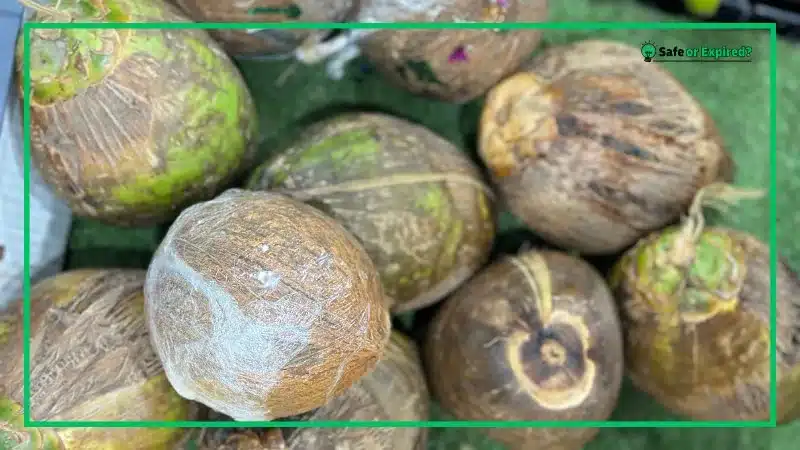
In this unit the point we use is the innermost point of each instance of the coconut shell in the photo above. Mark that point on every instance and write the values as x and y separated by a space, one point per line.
131 125
593 148
90 359
698 334
418 205
262 307
532 337
452 65
261 42
395 390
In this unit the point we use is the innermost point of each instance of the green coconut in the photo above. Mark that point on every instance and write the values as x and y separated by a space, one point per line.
696 313
416 203
131 125
394 390
90 359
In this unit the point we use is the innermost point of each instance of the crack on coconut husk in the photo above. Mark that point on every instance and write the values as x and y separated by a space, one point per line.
388 181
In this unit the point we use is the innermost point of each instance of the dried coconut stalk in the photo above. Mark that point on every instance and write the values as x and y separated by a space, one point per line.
532 337
696 303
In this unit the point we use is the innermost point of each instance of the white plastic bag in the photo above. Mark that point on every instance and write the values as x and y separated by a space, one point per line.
50 218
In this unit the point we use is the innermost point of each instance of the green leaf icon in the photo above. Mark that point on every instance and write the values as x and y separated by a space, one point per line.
293 11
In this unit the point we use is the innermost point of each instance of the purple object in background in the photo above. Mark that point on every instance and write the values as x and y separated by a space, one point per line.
458 55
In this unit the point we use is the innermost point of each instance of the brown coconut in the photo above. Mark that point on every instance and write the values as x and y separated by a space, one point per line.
592 147
395 391
696 314
262 307
532 337
90 359
416 202
260 42
454 65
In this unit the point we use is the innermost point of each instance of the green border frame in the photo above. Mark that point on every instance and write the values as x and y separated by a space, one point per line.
771 27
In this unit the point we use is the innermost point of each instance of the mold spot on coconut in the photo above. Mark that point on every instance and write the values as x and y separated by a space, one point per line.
532 337
90 359
129 126
696 314
593 148
395 390
262 307
416 203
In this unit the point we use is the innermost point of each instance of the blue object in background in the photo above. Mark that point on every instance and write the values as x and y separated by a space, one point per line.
10 23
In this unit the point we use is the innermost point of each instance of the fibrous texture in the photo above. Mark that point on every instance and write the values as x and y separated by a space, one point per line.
416 203
454 65
395 391
90 359
697 323
262 307
593 148
129 125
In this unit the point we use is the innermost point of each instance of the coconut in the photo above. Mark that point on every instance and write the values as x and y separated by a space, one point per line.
532 337
131 125
593 148
90 359
395 390
262 307
696 314
453 65
264 42
417 204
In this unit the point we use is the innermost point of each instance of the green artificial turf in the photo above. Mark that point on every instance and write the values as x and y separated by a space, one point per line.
735 94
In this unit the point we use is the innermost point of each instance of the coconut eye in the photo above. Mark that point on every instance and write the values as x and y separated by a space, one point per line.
556 363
